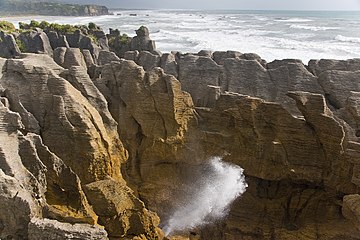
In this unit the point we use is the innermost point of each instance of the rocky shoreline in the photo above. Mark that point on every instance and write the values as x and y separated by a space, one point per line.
101 135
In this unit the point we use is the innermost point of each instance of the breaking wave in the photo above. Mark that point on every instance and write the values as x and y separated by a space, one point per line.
342 38
312 28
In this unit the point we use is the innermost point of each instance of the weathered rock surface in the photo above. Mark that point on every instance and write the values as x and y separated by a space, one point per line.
44 229
106 57
142 41
351 209
36 41
153 113
69 57
293 128
300 153
197 74
52 142
57 40
8 46
148 60
120 211
319 66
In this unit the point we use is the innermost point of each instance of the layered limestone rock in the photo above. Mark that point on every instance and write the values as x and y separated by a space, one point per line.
36 41
196 75
299 149
154 115
43 229
56 136
8 46
293 128
69 57
121 212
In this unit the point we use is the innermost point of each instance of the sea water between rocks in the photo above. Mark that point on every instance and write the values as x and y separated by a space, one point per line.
273 35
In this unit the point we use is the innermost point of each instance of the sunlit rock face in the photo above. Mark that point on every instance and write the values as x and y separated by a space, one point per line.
57 140
220 145
294 134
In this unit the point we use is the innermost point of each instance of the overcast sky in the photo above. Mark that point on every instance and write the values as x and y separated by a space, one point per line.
232 4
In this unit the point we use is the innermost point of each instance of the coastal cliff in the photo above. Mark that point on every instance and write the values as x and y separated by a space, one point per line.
50 8
106 133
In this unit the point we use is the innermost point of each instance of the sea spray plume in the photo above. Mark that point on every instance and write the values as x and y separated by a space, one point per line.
221 185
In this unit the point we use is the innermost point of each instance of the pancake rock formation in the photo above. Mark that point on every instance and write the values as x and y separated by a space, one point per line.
109 139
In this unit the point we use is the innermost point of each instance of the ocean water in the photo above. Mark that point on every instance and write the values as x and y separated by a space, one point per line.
273 35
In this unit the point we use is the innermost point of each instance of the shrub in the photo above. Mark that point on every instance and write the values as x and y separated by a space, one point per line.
7 26
21 45
124 38
92 26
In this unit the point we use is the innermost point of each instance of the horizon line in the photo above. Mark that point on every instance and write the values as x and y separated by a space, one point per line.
227 9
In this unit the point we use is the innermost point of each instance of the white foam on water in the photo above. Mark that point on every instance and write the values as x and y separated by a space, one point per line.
294 20
312 28
220 186
303 36
347 39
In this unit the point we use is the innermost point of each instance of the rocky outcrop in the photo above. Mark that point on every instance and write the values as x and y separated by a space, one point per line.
197 74
319 66
142 41
106 57
36 41
43 229
66 136
8 46
53 142
57 41
69 57
351 209
122 43
121 212
153 113
276 120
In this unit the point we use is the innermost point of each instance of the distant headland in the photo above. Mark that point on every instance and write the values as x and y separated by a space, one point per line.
49 8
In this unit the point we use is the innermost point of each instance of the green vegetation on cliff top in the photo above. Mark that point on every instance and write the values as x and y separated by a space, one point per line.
49 8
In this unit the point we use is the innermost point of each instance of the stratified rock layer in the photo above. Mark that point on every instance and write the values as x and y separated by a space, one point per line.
66 136
294 133
57 135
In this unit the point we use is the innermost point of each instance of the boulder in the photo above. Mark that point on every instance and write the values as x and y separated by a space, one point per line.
101 38
74 38
87 42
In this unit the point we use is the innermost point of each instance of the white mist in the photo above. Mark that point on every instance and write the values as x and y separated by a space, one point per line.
221 184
